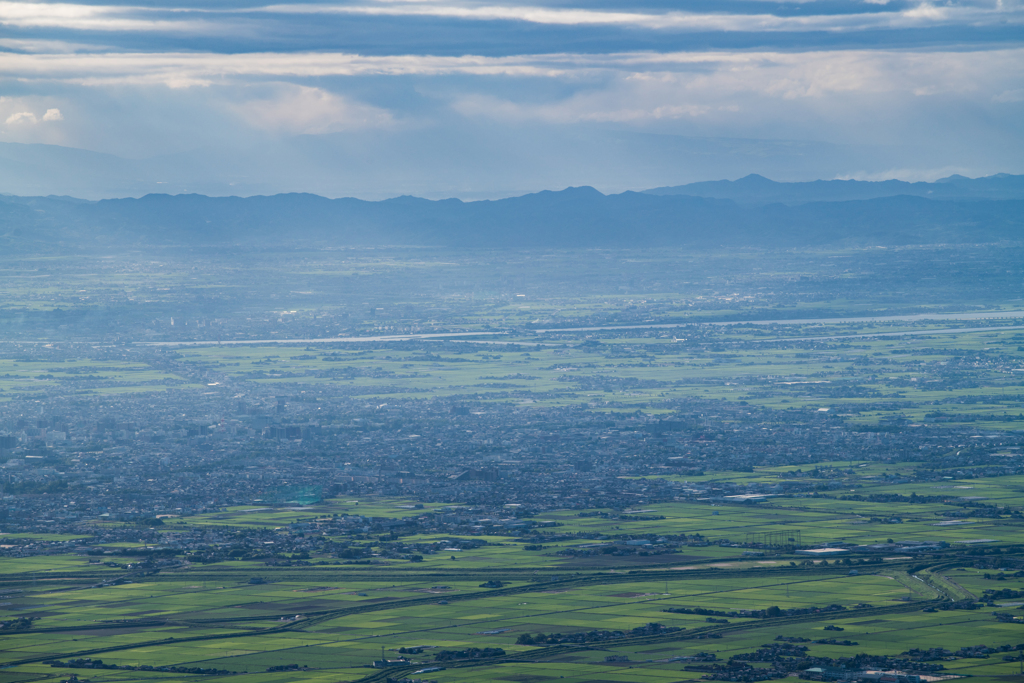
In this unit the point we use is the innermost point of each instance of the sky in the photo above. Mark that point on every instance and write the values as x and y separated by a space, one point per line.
456 98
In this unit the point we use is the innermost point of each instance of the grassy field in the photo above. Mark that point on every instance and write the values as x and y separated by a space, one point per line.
85 375
339 647
840 366
917 378
817 519
332 620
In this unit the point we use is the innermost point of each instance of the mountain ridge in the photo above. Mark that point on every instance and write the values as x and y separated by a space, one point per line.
570 218
757 189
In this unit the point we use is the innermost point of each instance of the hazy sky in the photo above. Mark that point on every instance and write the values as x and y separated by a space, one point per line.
447 97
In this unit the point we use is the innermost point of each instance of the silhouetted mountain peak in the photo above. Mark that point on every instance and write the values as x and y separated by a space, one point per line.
574 192
754 180
756 189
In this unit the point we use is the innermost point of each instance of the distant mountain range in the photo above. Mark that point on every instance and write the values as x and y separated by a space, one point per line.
474 164
758 213
755 189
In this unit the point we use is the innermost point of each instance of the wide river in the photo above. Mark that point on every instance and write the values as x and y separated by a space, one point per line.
988 315
921 317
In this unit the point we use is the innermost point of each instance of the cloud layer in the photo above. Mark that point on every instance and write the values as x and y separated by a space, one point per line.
914 86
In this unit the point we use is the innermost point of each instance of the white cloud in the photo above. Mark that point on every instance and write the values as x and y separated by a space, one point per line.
792 74
87 17
303 110
27 45
21 117
846 97
725 84
190 69
174 19
121 18
928 12
922 14
29 118
602 106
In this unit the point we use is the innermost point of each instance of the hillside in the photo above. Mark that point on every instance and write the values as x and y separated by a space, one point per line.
575 217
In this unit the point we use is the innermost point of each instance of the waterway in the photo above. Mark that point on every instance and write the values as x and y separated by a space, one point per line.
919 317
